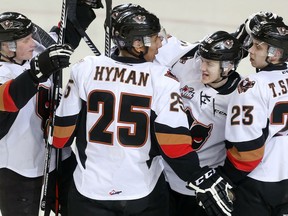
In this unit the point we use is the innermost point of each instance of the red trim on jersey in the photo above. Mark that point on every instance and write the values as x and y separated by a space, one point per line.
175 151
246 166
7 102
60 142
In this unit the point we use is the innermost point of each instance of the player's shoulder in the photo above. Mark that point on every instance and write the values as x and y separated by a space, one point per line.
173 50
163 78
7 71
88 63
251 84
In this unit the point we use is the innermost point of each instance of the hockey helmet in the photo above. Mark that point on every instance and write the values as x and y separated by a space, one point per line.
274 32
221 46
256 19
14 26
260 17
132 22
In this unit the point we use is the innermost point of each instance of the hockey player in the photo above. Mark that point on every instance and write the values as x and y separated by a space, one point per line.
24 89
256 127
124 112
207 77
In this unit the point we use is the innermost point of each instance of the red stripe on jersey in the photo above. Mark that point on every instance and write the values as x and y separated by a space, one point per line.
246 166
60 142
175 151
6 102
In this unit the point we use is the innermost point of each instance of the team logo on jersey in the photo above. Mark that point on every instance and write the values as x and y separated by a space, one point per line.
200 134
244 85
113 192
187 92
204 98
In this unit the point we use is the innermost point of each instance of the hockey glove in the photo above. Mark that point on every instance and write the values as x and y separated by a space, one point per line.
244 38
213 192
52 59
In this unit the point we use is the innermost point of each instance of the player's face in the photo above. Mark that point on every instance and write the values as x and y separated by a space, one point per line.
258 54
25 48
210 71
153 48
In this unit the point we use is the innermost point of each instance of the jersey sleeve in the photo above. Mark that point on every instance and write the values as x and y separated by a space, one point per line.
173 50
68 111
245 136
186 69
16 92
171 128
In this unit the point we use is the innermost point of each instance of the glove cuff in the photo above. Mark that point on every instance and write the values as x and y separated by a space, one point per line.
35 72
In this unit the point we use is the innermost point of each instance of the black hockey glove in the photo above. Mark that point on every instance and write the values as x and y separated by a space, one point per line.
244 38
52 59
213 192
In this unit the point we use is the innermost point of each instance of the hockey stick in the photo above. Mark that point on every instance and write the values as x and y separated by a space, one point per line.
55 98
108 27
73 19
57 93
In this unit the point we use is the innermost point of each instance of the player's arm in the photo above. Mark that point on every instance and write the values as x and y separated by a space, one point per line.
15 93
68 113
243 157
174 138
85 15
246 130
173 50
64 130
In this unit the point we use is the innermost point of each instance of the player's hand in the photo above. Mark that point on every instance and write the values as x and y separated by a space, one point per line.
54 58
213 192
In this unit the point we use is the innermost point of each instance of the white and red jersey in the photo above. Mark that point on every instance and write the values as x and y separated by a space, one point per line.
22 147
120 110
207 110
257 126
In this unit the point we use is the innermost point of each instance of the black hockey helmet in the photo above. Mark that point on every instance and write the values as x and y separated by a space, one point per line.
261 17
14 26
221 46
274 32
131 22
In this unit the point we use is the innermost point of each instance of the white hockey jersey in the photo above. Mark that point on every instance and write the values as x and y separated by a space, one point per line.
116 105
22 147
257 125
207 110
